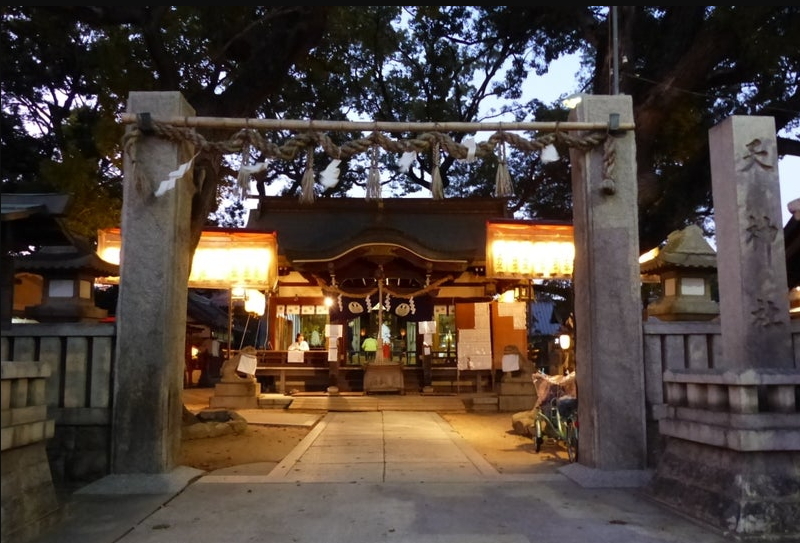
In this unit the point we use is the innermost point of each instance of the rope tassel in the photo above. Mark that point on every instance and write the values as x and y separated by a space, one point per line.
307 184
608 185
502 184
374 177
437 190
243 178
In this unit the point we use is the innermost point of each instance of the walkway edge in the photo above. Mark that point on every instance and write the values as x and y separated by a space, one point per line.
142 483
484 466
597 478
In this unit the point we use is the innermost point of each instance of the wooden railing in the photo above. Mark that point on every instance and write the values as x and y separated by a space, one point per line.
316 373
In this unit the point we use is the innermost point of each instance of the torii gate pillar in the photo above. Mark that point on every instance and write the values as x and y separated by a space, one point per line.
151 311
608 306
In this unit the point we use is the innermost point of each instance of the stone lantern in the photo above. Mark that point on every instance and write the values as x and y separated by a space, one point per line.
686 266
68 273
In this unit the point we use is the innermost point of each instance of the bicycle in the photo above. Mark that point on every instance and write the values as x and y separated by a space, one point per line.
562 424
559 419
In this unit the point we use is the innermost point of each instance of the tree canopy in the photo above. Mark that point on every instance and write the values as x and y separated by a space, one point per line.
68 71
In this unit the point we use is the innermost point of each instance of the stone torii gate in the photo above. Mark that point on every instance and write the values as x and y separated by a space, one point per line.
155 262
154 276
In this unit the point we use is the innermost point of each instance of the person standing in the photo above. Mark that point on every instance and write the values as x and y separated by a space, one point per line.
386 341
369 347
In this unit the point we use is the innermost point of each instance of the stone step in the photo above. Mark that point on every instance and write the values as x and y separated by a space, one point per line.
274 401
384 402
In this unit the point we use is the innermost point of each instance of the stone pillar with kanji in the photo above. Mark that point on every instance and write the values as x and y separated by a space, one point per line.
732 431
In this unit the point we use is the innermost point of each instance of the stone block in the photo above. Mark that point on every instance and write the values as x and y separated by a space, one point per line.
512 403
383 377
6 438
5 394
246 388
23 415
484 403
29 501
782 399
517 387
19 392
749 495
274 402
235 402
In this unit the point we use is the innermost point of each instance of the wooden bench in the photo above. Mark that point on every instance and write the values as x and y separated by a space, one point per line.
290 376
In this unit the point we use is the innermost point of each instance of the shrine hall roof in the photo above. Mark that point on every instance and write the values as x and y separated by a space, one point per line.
450 229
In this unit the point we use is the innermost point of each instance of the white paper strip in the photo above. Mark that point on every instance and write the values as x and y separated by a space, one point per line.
510 362
549 154
406 160
253 168
329 177
169 184
470 144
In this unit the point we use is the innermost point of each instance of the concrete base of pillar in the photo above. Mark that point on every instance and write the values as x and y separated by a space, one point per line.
751 496
236 395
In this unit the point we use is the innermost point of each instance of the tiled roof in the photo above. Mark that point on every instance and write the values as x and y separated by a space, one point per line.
542 319
437 229
65 257
685 248
33 219
203 310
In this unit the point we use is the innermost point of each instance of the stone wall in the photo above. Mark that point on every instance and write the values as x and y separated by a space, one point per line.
29 501
671 349
77 393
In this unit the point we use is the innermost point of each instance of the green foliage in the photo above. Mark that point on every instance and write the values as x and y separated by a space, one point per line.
68 72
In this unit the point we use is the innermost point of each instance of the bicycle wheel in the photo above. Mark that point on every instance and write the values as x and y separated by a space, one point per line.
572 442
537 436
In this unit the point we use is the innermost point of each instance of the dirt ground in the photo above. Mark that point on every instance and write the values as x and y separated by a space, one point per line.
491 434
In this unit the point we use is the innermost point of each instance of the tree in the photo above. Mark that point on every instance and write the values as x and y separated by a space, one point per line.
81 61
686 68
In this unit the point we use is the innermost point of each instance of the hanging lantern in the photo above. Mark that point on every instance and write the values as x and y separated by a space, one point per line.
223 259
529 250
